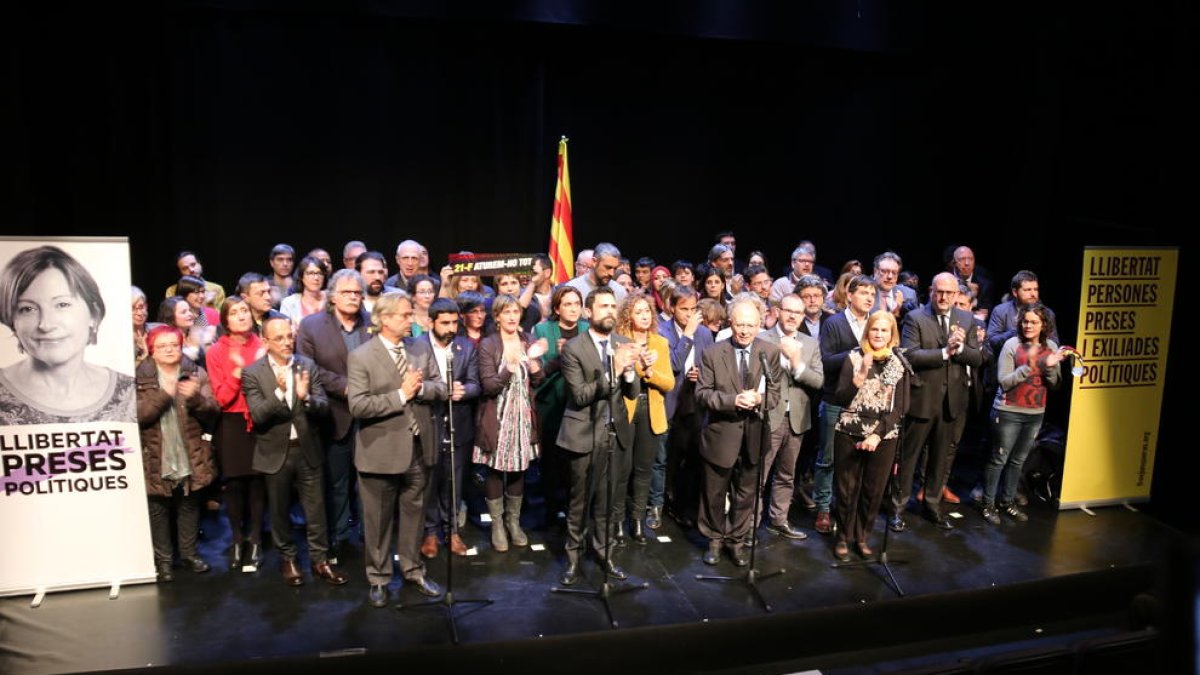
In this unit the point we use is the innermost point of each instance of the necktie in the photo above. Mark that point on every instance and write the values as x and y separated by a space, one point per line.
943 325
402 367
744 364
604 358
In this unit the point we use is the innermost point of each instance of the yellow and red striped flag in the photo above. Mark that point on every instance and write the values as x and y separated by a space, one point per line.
562 239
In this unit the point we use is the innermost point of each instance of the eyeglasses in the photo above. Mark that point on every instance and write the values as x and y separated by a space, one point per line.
166 346
314 273
349 294
281 339
941 292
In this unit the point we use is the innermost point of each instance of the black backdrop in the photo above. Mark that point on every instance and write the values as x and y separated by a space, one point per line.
226 127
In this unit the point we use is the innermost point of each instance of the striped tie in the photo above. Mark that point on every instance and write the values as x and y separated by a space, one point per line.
402 367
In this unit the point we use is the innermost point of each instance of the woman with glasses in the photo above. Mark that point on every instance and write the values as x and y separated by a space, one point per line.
175 405
311 275
140 312
422 288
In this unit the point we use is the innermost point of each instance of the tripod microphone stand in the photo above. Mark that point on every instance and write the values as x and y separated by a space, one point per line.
607 589
447 600
752 576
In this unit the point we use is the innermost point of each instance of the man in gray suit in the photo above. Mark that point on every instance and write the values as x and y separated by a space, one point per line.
391 378
800 358
940 341
284 393
588 362
735 389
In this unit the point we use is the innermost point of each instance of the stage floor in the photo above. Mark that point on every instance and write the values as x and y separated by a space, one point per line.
225 616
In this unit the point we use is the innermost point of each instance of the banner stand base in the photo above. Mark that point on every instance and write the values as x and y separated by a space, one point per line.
38 595
114 591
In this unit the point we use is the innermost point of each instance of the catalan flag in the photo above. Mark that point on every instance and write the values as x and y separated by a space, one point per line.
562 239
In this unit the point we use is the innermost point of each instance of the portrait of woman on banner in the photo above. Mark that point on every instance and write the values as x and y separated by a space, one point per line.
53 307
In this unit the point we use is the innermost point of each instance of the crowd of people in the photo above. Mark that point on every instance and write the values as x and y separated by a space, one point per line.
699 391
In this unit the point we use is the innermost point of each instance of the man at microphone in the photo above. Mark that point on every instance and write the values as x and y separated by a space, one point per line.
739 380
590 362
459 366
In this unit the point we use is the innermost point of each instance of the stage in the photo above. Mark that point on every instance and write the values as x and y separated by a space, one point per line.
1062 573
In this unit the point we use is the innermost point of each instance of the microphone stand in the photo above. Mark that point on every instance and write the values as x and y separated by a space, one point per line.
607 589
882 558
447 600
752 576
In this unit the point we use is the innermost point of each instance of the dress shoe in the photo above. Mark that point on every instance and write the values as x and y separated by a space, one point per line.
921 496
429 547
654 517
165 574
896 523
254 557
570 576
235 556
196 564
824 524
864 549
331 556
841 551
1021 499
713 555
939 521
457 546
291 573
613 570
740 555
786 531
949 497
378 595
638 533
424 586
329 573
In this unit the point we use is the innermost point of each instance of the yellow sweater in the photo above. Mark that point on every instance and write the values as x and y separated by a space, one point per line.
658 382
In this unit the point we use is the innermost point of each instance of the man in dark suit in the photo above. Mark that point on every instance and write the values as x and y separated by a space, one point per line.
328 338
812 291
687 338
391 378
589 362
740 381
285 397
458 367
940 342
975 278
840 334
800 359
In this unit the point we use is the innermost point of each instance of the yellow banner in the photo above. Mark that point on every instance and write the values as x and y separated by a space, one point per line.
1125 306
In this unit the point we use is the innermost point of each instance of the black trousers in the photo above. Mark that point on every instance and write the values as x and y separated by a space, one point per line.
438 506
739 483
860 478
941 433
645 449
589 512
684 465
187 524
309 483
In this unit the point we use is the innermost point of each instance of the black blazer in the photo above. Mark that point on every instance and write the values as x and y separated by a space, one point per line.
320 339
837 341
589 397
941 380
466 370
273 419
724 424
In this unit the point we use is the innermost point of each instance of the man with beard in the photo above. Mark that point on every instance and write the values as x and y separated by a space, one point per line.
373 268
328 338
189 266
607 258
589 362
740 381
459 368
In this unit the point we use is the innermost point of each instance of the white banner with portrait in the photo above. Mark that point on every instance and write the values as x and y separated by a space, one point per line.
72 499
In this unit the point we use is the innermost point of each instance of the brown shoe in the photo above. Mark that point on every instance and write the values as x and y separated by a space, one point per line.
864 549
824 523
920 495
329 573
291 573
949 497
429 547
457 547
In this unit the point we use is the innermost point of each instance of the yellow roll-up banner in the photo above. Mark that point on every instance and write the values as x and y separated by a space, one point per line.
1125 305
